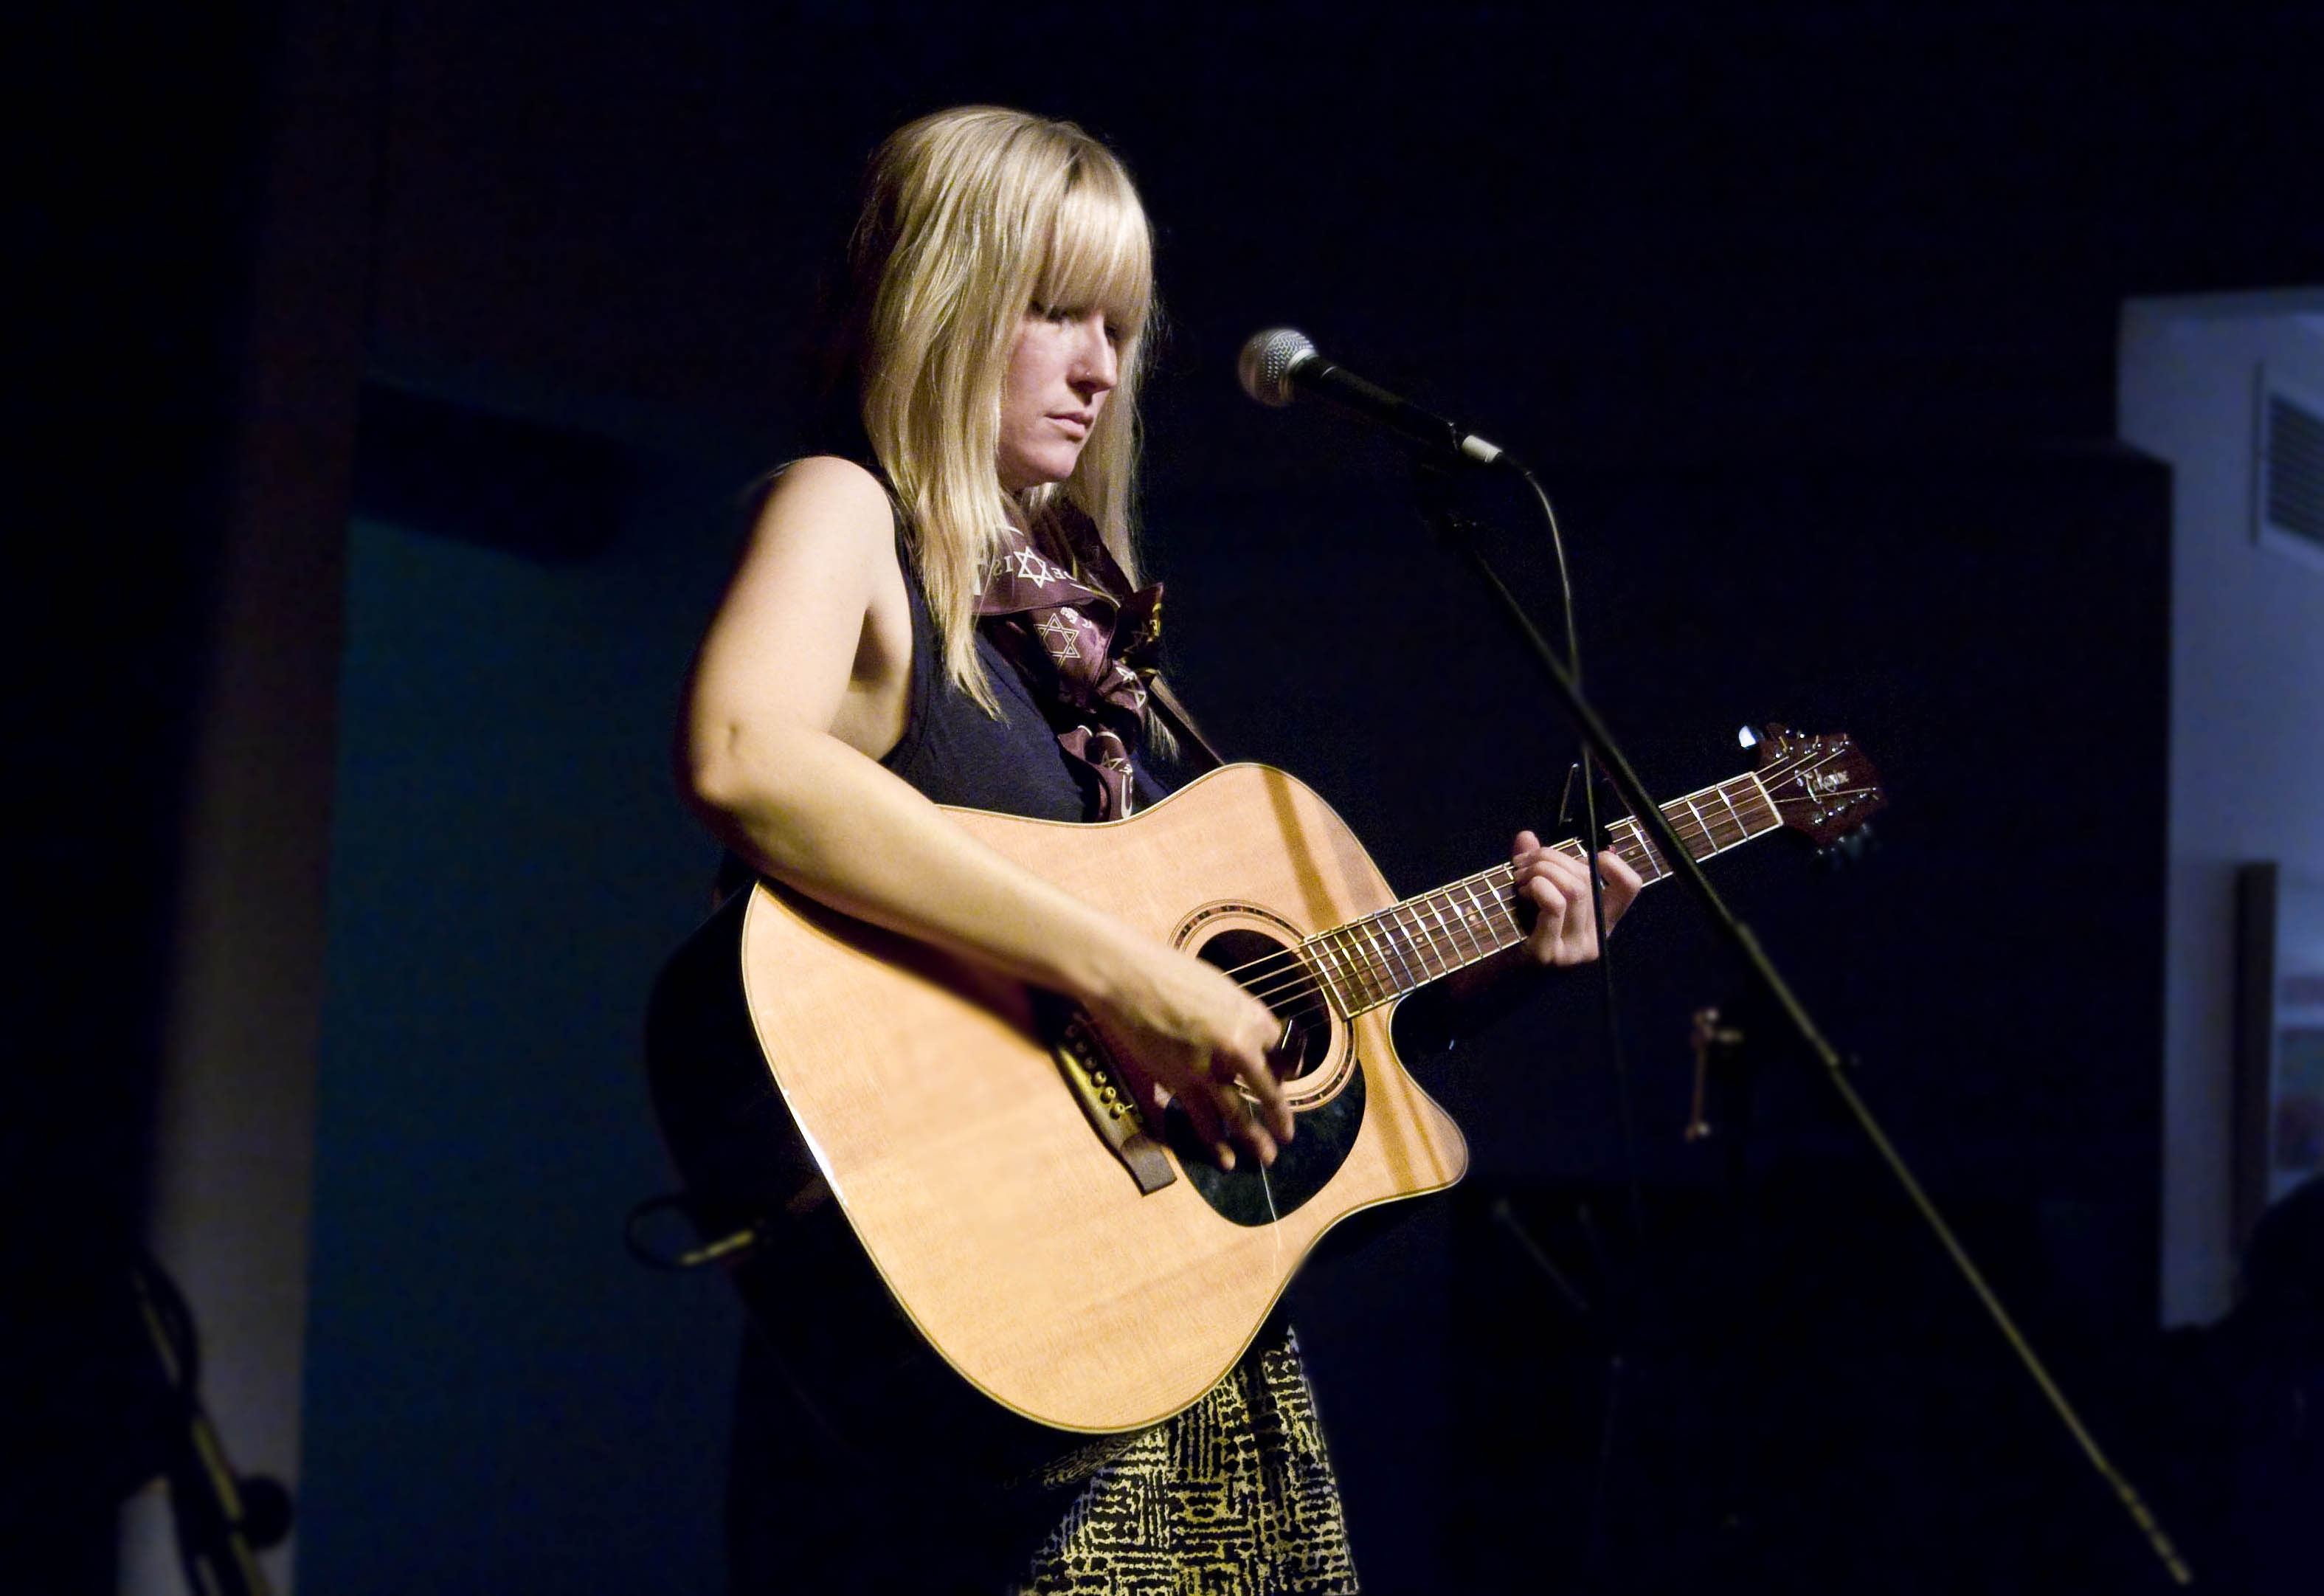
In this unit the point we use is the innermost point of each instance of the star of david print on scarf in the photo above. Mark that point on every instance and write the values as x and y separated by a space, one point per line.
1081 652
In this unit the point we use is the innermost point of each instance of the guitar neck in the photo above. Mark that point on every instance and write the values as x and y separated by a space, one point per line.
1380 958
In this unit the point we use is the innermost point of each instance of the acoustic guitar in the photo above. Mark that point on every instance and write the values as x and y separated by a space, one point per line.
1080 1261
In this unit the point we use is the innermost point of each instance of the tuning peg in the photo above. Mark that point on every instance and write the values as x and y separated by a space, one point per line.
1772 741
1745 737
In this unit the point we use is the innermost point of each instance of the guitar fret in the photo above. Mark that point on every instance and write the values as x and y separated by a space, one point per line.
1742 827
1319 948
1638 849
1317 952
1482 937
1701 825
1366 950
1749 810
1439 962
1366 947
1440 903
1460 927
1382 936
1360 985
1399 928
1713 828
1471 916
1372 961
1734 819
1419 942
1415 913
1399 932
1627 840
1509 930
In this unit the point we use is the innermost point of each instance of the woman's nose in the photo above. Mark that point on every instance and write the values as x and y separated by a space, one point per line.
1099 366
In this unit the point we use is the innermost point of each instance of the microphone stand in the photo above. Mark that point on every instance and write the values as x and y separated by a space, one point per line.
1455 530
1621 1314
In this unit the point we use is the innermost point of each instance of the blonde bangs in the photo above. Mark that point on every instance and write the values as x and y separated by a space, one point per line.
972 216
1101 252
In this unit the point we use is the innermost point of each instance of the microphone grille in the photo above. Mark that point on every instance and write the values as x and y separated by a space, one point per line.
1268 360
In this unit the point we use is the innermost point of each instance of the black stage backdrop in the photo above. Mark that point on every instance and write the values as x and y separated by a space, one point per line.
1810 325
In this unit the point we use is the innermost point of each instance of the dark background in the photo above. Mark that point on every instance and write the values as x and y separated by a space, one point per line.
1808 319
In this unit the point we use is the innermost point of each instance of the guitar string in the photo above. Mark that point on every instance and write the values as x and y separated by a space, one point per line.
1394 934
1298 971
1400 936
1410 932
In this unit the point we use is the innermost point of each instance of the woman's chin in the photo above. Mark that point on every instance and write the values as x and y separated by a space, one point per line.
1039 470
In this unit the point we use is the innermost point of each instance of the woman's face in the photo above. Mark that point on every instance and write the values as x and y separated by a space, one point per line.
1063 365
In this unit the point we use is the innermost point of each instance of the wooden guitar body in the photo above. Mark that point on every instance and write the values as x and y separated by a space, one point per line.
929 1097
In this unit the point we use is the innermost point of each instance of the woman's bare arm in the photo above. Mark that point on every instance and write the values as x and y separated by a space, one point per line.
801 683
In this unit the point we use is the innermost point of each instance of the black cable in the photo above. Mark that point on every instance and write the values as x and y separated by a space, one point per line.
1620 1319
1594 843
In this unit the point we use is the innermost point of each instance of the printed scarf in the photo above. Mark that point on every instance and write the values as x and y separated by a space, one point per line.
1085 655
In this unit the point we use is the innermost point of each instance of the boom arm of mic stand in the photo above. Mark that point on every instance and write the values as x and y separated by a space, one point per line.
1455 530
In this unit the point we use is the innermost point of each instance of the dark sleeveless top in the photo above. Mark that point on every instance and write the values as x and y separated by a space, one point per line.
957 754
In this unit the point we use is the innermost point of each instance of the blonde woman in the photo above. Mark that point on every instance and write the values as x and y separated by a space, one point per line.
951 617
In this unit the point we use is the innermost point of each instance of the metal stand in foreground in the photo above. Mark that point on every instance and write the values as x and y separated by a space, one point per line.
1455 531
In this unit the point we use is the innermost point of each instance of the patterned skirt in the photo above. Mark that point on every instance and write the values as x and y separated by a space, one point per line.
1234 1497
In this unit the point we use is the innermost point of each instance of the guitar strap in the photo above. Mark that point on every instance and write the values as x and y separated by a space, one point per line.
1195 749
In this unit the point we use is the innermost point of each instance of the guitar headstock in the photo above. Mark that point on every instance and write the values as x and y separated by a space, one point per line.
1821 785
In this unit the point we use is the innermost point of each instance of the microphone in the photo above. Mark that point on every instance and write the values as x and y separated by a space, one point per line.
1277 361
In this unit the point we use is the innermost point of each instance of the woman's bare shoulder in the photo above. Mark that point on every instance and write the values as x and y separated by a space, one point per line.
827 488
825 532
815 624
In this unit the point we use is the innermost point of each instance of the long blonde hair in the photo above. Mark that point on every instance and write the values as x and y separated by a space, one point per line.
972 217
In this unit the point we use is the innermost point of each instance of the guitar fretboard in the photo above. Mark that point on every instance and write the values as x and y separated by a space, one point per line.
1378 959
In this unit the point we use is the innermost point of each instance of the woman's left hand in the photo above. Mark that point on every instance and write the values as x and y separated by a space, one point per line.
1564 928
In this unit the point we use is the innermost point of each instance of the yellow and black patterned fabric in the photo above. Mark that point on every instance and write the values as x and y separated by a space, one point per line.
1234 1497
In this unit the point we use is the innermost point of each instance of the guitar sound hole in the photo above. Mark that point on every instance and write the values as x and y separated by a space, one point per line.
1272 973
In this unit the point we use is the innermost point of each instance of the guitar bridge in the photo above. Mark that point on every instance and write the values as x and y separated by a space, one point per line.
1112 1112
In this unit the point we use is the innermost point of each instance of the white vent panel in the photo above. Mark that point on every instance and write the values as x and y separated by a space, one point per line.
2288 498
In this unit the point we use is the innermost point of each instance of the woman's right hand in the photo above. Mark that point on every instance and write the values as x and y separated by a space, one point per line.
1185 1032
